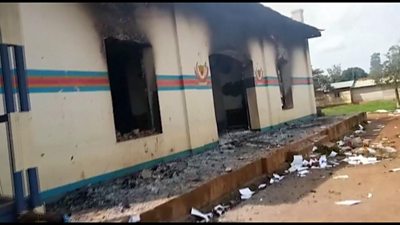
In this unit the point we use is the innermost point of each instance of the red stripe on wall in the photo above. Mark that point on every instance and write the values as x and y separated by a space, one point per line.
63 81
169 83
196 82
66 81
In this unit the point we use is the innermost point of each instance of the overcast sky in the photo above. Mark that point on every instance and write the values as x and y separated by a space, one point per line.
353 31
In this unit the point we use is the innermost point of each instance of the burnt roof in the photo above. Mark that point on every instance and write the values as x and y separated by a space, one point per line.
255 15
227 20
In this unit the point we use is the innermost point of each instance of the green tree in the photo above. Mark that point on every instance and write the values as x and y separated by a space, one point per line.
335 73
320 80
391 70
376 67
353 73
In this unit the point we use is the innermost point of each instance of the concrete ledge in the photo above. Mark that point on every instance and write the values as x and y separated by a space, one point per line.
214 190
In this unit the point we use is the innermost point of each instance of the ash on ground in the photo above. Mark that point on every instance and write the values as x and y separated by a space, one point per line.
136 193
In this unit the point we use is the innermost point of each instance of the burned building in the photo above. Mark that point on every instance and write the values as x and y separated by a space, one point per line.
115 88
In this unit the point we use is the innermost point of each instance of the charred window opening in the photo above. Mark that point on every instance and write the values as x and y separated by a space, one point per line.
285 84
133 89
229 92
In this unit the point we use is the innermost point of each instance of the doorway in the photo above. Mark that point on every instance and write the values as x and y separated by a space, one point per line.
229 92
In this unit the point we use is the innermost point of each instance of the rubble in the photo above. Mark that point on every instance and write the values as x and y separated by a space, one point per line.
356 142
151 187
326 148
146 174
136 133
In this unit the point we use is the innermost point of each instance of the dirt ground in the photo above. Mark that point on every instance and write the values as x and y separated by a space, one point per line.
312 198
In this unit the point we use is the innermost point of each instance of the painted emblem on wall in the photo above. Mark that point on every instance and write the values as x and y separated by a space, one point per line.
201 72
259 74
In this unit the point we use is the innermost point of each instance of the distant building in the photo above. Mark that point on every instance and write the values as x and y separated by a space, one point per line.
354 91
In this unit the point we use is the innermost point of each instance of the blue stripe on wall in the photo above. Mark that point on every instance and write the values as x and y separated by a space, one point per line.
169 77
174 77
184 88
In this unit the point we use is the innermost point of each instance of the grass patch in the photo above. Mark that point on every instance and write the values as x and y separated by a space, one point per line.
362 107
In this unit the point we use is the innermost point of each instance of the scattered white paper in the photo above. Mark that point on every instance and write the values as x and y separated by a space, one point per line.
277 177
206 217
297 160
341 177
395 170
369 160
292 169
303 173
369 195
246 193
261 186
322 161
356 160
220 209
361 127
359 132
245 197
134 219
348 202
333 154
314 148
271 181
298 164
